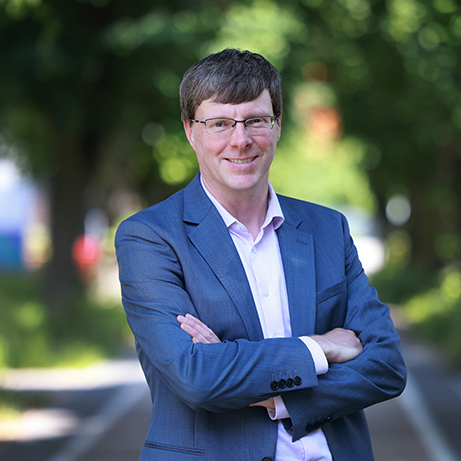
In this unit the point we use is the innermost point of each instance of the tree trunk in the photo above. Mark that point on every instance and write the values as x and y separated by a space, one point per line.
68 186
436 211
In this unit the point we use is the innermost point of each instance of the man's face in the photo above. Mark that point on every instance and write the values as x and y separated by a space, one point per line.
238 162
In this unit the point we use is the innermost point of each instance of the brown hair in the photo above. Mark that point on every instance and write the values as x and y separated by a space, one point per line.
229 77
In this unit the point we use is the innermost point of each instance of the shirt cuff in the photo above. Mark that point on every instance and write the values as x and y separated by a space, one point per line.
280 411
321 367
320 360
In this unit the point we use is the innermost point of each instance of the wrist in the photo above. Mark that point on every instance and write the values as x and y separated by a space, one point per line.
326 346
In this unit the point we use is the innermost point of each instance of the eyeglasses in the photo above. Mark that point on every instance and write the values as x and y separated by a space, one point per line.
224 126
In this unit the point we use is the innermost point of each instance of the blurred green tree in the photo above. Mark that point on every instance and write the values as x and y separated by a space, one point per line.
396 70
373 103
372 99
87 88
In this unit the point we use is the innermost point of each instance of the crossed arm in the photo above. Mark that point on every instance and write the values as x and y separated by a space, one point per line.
153 286
338 345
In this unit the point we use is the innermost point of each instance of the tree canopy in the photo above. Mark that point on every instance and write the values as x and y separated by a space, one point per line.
89 95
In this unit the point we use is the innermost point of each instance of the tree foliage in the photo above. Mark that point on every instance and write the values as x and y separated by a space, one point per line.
87 87
372 104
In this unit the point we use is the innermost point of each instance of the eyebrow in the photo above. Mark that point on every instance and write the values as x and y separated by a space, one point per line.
246 118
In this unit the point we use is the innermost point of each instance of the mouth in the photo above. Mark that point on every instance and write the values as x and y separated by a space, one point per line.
241 161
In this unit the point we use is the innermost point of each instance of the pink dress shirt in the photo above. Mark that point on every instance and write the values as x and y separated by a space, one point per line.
262 261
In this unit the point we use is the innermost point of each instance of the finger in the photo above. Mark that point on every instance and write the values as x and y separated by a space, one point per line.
195 321
196 336
181 319
269 403
187 325
202 329
197 330
191 321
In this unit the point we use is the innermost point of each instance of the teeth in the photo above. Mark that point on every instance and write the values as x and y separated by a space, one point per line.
236 160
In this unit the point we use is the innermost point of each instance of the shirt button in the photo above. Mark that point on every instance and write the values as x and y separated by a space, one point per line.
266 293
254 250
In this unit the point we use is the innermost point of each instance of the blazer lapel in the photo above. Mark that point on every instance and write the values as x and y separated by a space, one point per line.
297 249
212 240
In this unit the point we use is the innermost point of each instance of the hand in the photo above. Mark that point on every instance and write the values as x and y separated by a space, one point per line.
269 403
199 332
339 345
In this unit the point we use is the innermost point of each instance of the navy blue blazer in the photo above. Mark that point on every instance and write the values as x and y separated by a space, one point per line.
177 257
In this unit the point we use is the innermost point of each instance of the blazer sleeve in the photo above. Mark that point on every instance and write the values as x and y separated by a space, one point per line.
215 377
377 374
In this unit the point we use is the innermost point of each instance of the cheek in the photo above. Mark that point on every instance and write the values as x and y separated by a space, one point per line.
210 148
207 153
269 145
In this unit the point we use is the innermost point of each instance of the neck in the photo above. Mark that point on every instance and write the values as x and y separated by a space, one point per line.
250 212
248 207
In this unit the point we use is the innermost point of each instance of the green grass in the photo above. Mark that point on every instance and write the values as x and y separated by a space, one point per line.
33 336
13 404
30 335
432 305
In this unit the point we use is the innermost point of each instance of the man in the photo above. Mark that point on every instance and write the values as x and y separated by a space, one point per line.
256 328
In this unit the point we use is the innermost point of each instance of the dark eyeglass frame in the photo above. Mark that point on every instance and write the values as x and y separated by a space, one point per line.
273 118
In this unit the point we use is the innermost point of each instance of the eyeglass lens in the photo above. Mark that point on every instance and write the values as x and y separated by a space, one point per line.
254 125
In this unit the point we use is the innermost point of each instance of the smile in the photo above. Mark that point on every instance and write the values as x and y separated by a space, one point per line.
236 160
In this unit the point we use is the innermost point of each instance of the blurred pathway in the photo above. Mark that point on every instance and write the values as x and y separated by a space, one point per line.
423 424
110 417
79 407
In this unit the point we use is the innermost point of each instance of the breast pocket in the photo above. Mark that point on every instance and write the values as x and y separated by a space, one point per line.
331 307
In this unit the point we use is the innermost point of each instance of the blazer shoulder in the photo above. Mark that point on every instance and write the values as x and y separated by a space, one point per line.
309 210
167 213
184 209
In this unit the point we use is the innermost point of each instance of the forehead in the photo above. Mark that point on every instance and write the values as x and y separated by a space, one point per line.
262 105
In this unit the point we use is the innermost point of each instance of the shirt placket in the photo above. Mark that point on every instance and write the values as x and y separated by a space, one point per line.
267 283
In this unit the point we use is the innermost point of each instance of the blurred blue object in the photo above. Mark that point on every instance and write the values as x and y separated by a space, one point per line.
10 250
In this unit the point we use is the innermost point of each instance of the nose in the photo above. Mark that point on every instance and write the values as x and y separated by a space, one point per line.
241 138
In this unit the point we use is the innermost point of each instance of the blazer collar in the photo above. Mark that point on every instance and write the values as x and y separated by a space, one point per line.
196 203
212 240
297 250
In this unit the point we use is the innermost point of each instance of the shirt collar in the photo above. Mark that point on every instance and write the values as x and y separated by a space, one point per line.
274 210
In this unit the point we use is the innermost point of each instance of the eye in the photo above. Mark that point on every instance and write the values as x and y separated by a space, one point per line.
258 121
217 124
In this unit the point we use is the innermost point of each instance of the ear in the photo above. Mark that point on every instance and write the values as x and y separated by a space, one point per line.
188 129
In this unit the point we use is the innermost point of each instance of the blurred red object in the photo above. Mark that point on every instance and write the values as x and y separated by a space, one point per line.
86 254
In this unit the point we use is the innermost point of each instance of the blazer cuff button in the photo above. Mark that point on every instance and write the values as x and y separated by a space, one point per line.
274 385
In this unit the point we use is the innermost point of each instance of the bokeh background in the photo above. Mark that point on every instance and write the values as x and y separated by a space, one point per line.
90 133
